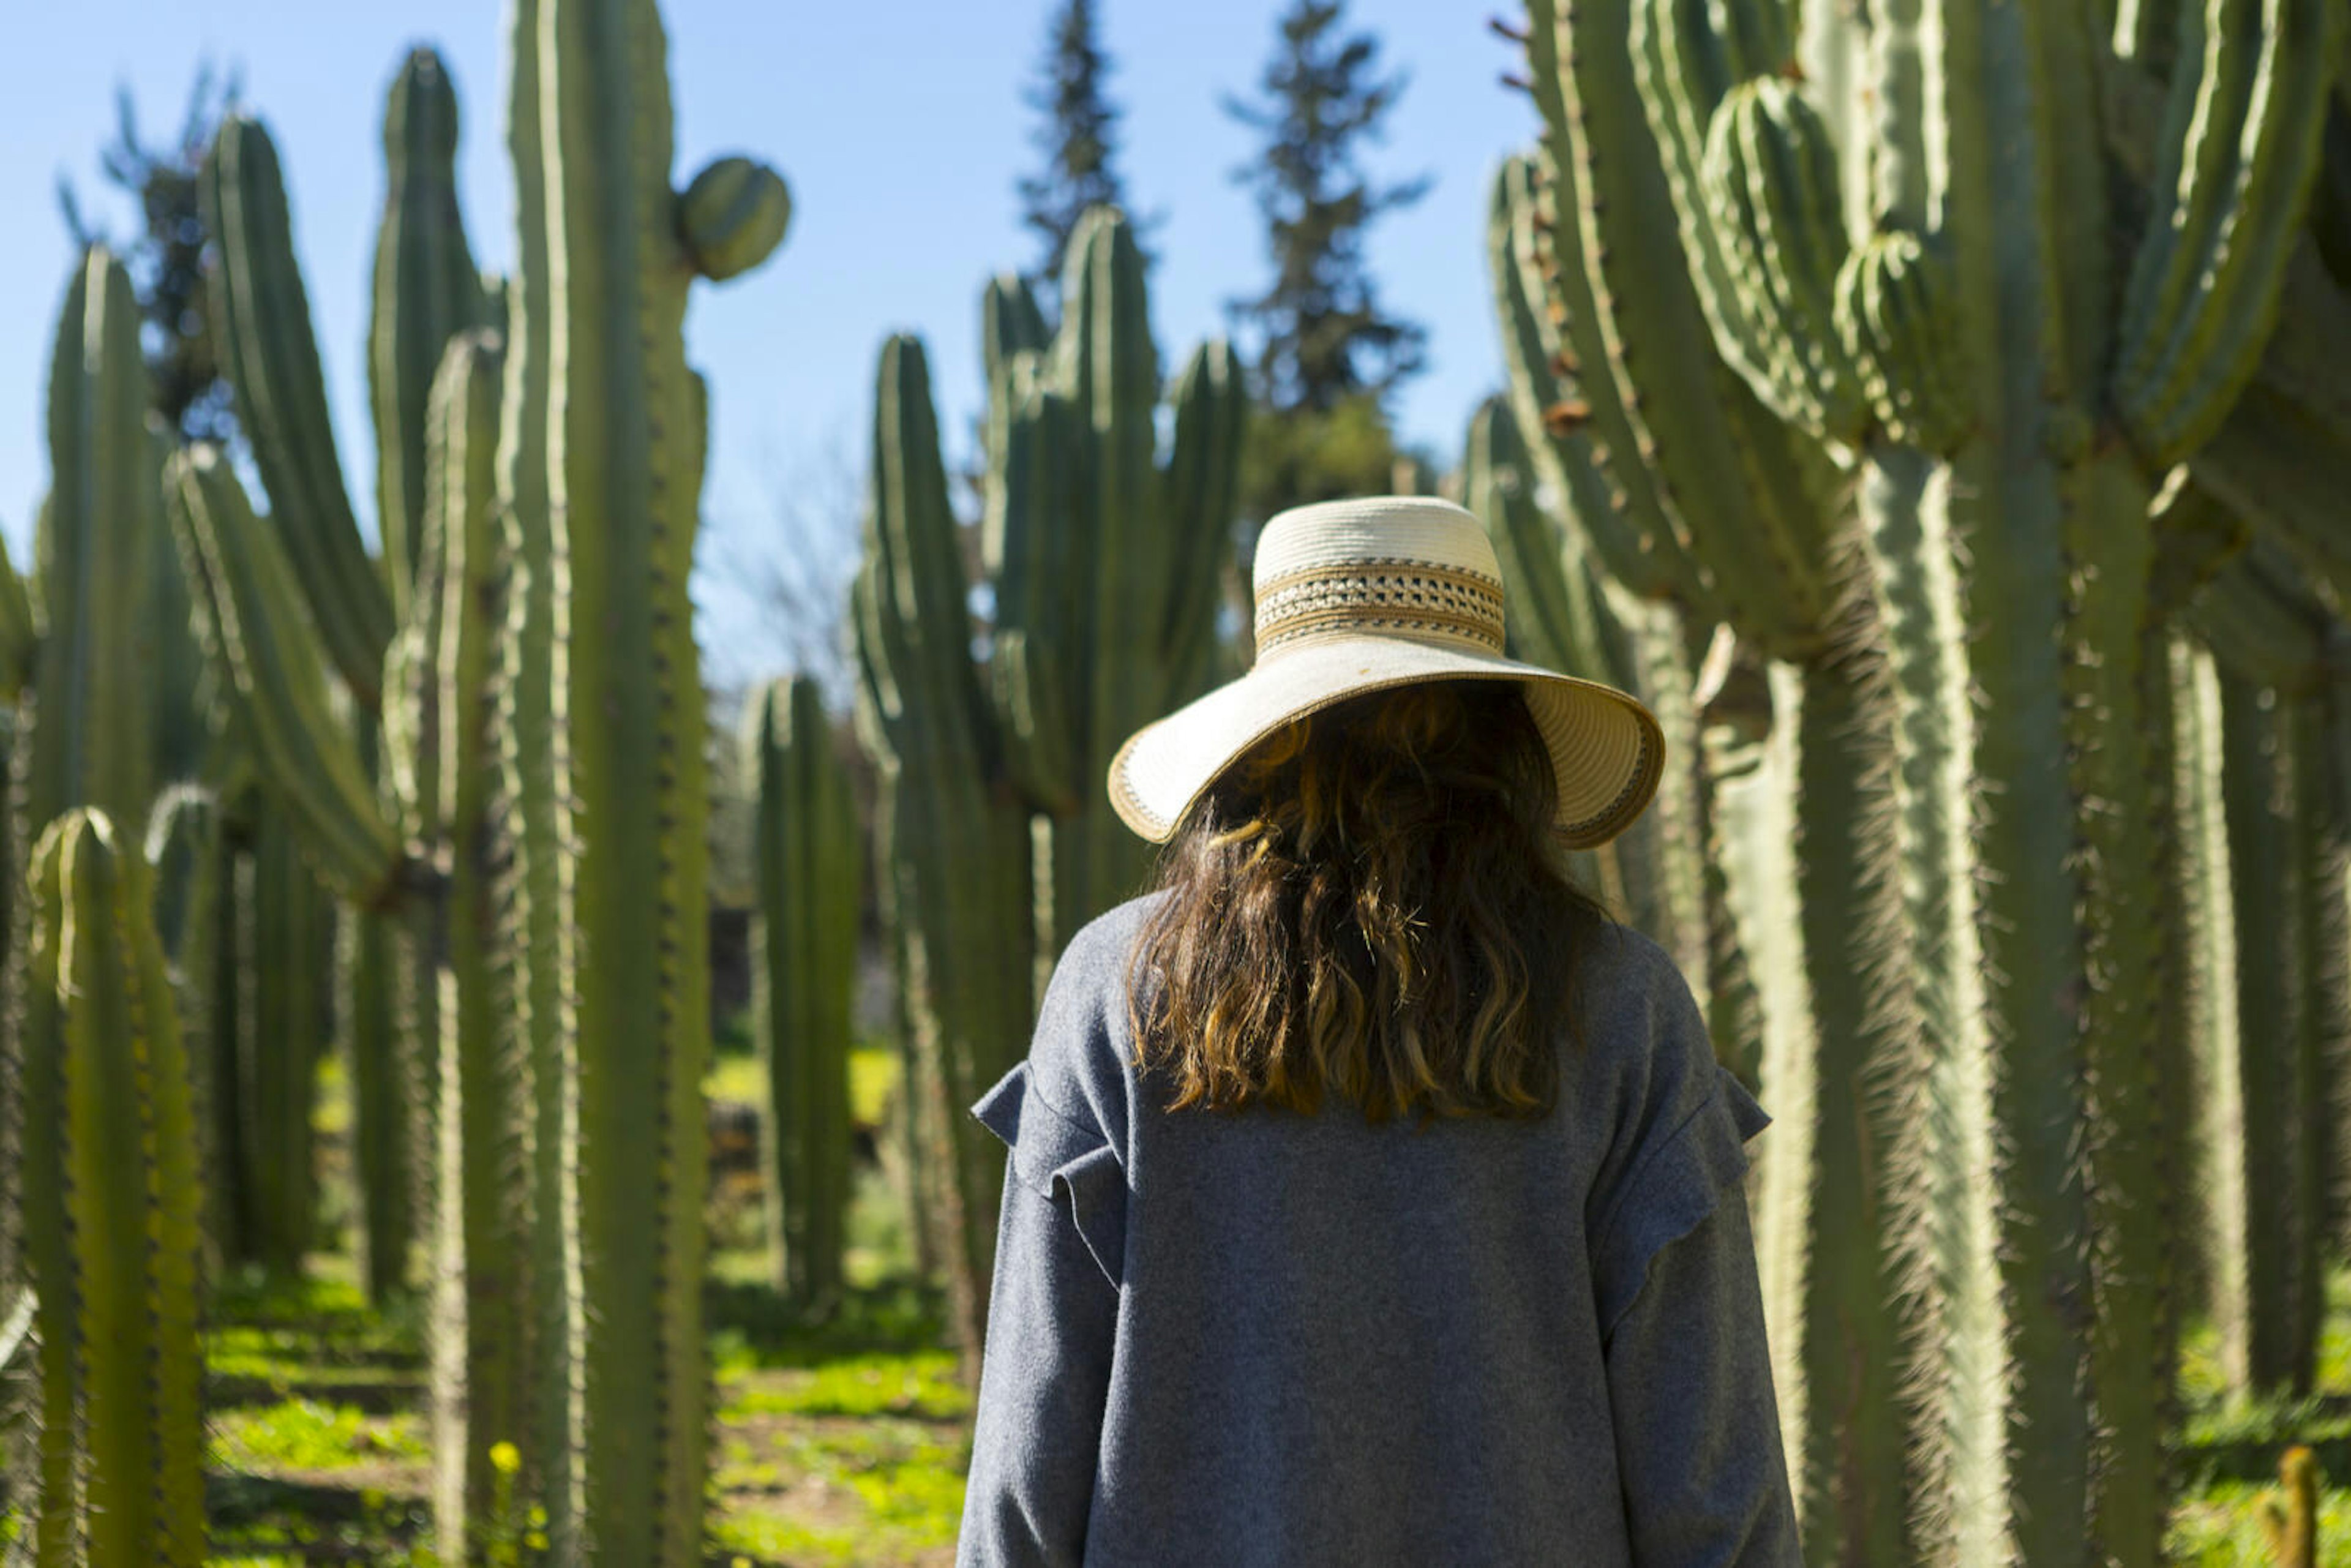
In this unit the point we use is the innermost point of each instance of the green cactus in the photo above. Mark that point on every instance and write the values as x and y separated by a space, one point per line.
803 969
620 431
263 647
1104 559
271 357
954 845
563 1024
122 1439
426 291
93 686
2276 995
482 1346
1893 231
82 735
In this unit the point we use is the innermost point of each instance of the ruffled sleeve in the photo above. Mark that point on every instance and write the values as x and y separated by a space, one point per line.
1061 1160
1677 1182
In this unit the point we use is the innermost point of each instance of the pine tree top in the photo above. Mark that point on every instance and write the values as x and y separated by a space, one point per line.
1324 335
1079 138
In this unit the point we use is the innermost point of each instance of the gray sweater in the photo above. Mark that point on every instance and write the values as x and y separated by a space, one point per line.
1262 1338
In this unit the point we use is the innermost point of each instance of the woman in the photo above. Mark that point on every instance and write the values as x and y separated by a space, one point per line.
1373 1198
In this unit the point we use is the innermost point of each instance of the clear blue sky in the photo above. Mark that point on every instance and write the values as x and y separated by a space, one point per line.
901 128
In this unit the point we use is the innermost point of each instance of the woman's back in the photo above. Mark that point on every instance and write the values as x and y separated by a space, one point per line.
1320 1339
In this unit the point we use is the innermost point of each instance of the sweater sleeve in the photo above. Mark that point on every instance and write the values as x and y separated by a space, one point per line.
1689 1373
1052 1317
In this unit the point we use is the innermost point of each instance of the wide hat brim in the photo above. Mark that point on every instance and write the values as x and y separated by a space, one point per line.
1606 750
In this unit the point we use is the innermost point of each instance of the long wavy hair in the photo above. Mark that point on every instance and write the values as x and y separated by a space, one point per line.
1371 903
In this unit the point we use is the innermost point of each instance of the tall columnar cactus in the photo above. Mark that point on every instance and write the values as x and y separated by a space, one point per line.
2273 1029
805 853
621 429
1104 557
83 735
438 719
121 1478
953 842
1891 238
271 359
93 682
1697 493
426 291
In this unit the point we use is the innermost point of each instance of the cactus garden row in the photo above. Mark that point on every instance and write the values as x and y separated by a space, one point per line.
1898 401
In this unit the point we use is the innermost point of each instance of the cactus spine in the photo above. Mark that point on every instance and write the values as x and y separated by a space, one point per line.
803 968
123 1440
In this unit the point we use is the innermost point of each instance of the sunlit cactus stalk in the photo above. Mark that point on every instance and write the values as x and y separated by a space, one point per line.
426 291
953 840
805 861
620 434
189 847
1893 235
122 1479
82 735
482 1346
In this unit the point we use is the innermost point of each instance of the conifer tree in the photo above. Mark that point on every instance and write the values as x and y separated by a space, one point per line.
1079 138
1324 336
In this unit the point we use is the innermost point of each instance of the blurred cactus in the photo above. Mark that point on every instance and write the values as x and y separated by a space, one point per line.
426 291
121 1439
1103 555
952 843
804 856
270 356
566 1119
1820 323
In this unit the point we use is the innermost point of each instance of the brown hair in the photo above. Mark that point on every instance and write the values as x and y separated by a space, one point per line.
1373 901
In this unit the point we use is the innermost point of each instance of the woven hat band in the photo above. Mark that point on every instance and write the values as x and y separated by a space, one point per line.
1388 596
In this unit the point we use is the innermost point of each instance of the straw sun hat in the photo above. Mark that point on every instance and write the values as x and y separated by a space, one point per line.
1360 596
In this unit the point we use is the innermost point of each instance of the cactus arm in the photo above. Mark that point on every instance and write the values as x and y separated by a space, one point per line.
133 1192
732 216
1203 480
1895 317
259 640
1010 325
427 289
91 742
1755 187
1555 610
1123 545
2239 155
1749 491
272 360
2282 459
1583 427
